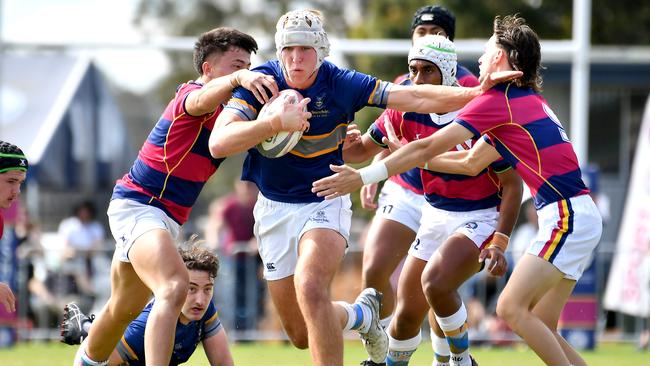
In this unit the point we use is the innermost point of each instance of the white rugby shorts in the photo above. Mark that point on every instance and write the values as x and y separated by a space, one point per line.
438 225
399 204
569 231
280 225
130 219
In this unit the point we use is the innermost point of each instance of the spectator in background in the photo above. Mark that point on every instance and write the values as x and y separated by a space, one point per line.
230 232
83 238
54 280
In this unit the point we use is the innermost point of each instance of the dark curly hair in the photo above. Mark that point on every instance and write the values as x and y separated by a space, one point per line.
522 48
198 258
220 40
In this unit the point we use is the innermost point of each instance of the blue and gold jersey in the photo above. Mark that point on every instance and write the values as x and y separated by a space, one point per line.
335 96
187 338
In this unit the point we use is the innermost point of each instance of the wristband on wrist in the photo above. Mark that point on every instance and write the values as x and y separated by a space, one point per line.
374 173
426 166
500 240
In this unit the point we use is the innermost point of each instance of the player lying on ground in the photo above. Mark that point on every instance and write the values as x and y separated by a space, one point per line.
198 321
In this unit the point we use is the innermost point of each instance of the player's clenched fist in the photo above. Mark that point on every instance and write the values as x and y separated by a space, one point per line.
292 116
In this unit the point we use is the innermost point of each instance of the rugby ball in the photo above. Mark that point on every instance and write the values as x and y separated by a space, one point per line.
284 141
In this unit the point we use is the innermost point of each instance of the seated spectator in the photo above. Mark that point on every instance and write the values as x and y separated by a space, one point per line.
82 237
230 230
53 282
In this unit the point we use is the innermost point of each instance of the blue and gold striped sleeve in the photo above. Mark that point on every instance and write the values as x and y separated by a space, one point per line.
379 95
212 324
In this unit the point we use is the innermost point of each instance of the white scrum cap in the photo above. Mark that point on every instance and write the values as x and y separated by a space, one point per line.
438 50
302 28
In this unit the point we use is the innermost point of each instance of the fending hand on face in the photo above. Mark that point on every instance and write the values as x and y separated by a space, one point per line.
494 78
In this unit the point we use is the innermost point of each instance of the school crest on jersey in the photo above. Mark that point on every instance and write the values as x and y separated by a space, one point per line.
319 102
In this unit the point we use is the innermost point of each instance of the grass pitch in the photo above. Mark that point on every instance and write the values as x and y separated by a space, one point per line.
271 354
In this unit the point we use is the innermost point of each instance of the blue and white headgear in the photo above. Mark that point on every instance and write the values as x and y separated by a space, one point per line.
440 51
302 28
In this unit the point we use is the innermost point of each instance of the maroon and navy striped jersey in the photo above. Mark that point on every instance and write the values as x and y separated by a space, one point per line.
450 192
528 135
175 162
411 178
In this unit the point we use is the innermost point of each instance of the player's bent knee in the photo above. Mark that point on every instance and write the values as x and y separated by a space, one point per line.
407 326
432 289
173 292
434 284
509 311
375 273
300 342
123 312
311 293
298 337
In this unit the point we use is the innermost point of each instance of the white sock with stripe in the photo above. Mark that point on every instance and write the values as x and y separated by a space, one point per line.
359 316
455 328
400 352
441 352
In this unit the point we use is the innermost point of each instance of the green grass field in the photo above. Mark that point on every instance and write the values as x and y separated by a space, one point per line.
271 354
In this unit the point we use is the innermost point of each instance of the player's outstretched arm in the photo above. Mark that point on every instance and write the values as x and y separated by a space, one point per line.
231 135
427 98
416 153
217 351
468 162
